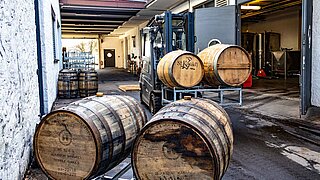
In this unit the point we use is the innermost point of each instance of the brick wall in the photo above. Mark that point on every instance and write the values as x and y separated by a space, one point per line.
19 99
315 81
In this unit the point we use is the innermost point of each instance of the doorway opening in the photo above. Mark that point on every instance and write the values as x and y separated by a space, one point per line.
271 32
109 58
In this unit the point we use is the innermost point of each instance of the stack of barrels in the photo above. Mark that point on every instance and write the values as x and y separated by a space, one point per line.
220 64
72 83
187 139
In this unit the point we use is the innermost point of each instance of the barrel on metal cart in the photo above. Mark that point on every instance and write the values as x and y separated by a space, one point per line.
187 139
68 83
180 69
226 65
88 137
88 83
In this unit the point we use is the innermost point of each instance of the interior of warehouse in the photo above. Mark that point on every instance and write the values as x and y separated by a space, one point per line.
271 33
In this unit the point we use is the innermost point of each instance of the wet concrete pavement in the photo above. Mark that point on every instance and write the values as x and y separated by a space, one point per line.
263 147
264 150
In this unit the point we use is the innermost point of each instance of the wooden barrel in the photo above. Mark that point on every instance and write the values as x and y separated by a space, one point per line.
68 83
188 139
180 69
88 83
88 137
226 65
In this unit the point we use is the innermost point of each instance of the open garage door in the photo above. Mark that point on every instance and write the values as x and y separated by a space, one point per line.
306 45
217 24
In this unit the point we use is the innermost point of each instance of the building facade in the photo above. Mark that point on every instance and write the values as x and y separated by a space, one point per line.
19 85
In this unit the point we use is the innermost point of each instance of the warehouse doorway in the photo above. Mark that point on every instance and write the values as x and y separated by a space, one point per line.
109 58
276 34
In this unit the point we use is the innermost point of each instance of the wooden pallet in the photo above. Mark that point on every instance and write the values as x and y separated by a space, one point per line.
131 87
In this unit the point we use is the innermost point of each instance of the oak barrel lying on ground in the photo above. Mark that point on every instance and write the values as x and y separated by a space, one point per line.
88 83
226 65
180 69
88 137
68 83
187 139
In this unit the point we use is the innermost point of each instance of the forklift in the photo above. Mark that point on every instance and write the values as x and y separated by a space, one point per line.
164 33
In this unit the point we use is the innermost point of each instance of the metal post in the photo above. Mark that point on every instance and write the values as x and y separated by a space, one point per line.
285 64
168 31
162 95
221 97
39 70
240 94
174 94
190 32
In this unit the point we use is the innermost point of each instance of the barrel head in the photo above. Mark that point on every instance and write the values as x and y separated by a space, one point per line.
187 70
65 147
172 150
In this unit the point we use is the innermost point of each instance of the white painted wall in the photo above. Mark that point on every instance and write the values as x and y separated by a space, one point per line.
19 95
131 49
186 6
315 76
285 22
49 68
119 43
112 43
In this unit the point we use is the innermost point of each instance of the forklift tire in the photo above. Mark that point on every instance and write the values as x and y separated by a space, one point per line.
155 103
141 100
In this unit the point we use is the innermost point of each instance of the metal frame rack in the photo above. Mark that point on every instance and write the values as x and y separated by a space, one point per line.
177 94
79 60
118 175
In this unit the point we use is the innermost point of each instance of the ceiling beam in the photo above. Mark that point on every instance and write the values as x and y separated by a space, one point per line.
89 26
99 11
105 3
95 15
87 29
90 21
95 18
73 31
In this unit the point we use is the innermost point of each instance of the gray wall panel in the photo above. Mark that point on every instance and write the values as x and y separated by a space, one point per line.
215 23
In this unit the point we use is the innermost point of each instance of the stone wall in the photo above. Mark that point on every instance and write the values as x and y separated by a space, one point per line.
19 96
315 76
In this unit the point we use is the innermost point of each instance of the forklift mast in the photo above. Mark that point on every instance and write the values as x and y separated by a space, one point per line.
173 29
165 33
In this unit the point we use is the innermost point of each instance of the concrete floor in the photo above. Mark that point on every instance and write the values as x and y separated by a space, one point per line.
271 141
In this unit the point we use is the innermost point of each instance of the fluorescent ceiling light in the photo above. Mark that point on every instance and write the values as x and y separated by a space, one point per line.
251 7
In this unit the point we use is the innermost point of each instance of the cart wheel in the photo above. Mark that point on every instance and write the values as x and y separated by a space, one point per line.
155 103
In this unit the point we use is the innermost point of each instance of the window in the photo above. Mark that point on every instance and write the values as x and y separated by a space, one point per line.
220 3
54 34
